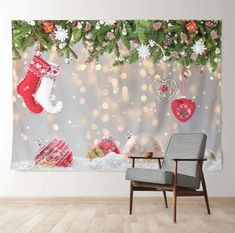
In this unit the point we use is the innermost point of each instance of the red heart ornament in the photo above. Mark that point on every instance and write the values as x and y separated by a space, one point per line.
183 109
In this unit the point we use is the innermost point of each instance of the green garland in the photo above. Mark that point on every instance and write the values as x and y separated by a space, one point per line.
129 40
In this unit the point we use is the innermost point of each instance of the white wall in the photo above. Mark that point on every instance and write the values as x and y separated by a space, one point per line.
14 183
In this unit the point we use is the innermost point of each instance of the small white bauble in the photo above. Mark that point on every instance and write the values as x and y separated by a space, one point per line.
67 60
124 32
79 25
62 45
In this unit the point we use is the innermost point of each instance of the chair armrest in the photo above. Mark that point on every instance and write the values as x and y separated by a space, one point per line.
144 157
184 159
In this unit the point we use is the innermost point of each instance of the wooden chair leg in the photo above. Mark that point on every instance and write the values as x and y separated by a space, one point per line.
174 202
204 188
175 190
207 202
131 198
165 199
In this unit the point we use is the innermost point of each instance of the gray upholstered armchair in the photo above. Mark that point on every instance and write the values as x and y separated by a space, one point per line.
180 170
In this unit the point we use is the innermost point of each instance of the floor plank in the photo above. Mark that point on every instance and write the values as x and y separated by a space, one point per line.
29 225
111 216
47 224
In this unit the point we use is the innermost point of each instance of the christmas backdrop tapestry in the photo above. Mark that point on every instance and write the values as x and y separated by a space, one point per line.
89 93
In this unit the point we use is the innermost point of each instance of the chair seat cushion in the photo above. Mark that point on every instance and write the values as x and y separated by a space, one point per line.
161 177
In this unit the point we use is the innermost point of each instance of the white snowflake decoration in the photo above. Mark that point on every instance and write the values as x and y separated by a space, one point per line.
143 51
199 47
61 34
151 43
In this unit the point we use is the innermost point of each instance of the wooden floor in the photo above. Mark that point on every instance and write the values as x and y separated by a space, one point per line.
111 216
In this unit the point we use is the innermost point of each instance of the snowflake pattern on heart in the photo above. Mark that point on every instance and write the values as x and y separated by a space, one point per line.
183 109
164 90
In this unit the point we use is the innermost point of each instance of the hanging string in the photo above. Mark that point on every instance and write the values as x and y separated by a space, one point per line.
160 47
164 73
38 49
163 53
182 82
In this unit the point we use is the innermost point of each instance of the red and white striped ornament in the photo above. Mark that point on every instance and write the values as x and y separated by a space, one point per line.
53 153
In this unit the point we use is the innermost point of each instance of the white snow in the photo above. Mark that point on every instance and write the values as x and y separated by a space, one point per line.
110 162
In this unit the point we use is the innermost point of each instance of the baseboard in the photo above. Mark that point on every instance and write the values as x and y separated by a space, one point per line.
103 199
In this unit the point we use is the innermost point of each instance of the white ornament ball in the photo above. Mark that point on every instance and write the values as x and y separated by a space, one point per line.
217 51
138 145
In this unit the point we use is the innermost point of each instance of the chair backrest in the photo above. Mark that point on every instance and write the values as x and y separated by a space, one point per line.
185 145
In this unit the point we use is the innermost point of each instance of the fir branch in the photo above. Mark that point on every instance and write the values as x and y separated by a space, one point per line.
25 34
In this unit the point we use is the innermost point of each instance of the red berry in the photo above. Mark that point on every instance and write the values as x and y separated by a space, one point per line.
114 25
164 26
136 41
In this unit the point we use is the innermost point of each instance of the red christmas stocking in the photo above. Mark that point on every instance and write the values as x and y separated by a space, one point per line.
28 86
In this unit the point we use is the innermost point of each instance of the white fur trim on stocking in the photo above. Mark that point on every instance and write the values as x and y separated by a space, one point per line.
45 90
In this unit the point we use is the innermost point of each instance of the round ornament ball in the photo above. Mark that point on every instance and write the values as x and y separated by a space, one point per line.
79 25
124 32
53 153
107 145
167 40
139 144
